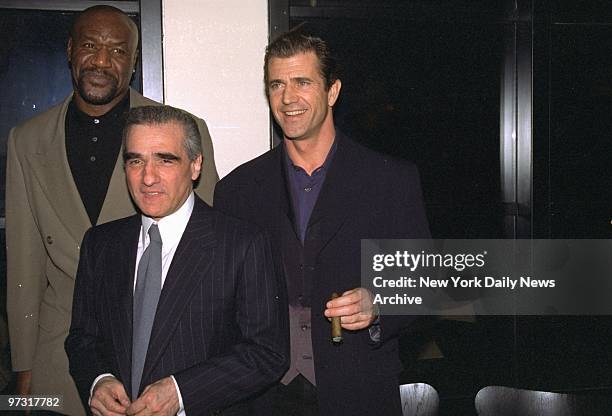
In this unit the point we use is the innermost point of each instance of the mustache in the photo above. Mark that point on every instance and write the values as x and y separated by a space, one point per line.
97 72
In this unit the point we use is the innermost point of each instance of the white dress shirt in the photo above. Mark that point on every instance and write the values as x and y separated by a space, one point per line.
171 229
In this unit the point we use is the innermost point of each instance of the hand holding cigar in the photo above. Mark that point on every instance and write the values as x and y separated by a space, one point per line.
354 308
336 326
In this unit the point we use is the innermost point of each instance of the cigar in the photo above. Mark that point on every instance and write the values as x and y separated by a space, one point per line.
336 326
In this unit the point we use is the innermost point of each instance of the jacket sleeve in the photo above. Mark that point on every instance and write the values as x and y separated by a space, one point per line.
209 176
26 260
230 199
262 355
411 224
84 342
222 198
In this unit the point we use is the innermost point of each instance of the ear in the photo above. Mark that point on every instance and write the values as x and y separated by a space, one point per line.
196 167
69 49
334 92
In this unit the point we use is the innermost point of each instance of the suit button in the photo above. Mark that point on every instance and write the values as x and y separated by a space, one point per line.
49 239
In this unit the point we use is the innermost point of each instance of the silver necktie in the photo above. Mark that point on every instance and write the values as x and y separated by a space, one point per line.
146 296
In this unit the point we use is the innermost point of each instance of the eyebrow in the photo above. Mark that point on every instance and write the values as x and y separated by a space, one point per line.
94 37
169 156
130 155
294 79
159 155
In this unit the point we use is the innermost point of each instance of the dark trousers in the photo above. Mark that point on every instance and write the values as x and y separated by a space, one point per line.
299 398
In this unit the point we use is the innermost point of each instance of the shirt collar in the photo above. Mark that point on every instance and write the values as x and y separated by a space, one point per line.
330 155
118 110
171 227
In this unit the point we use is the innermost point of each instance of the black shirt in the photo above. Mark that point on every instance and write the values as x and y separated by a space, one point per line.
92 148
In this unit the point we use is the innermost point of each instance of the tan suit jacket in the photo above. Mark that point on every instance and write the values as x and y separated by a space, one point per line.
45 223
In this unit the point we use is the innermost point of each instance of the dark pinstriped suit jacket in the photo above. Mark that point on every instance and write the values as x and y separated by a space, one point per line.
217 328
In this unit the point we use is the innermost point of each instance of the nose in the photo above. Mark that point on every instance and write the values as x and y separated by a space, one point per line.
150 175
289 95
101 59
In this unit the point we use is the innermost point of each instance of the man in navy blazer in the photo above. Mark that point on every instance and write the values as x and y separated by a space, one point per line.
216 335
318 194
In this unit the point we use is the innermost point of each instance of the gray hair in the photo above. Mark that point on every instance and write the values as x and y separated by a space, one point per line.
164 114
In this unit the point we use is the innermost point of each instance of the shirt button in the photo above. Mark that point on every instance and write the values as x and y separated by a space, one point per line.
308 189
49 239
304 328
92 158
94 139
307 357
96 121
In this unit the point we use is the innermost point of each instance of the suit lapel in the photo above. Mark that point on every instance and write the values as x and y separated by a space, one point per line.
341 192
273 195
120 295
191 263
50 166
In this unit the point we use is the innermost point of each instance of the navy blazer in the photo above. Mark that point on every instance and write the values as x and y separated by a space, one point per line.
217 328
365 195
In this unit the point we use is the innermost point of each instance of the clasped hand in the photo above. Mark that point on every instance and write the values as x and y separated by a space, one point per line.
110 399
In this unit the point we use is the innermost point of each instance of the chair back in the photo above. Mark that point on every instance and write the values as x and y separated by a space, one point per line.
419 399
507 401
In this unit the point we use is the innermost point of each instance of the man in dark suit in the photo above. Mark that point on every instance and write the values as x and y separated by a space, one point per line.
65 174
318 194
176 308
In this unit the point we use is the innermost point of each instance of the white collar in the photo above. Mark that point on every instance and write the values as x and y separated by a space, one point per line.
171 227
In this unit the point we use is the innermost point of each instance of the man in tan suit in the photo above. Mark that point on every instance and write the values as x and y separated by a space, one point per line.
65 174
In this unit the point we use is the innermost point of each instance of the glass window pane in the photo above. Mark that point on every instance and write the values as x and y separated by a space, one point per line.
580 192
